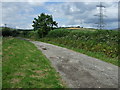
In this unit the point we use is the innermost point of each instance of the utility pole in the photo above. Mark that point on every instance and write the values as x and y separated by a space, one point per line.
101 16
82 23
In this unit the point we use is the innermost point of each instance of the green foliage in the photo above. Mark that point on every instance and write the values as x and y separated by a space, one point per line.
25 33
58 33
42 32
105 41
6 31
44 23
9 32
30 34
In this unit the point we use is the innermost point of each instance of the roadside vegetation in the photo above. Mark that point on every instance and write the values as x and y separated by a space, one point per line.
6 31
0 62
101 44
24 66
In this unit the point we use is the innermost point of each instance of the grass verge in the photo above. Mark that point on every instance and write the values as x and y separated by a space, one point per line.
24 66
0 62
98 55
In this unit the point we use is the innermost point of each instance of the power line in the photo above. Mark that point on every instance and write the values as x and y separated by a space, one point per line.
101 16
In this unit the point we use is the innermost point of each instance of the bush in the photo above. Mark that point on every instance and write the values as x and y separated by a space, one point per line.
58 33
9 32
15 33
6 32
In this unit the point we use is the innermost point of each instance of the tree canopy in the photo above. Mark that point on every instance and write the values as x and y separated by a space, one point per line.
44 23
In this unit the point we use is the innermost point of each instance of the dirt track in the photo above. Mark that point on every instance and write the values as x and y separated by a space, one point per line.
79 70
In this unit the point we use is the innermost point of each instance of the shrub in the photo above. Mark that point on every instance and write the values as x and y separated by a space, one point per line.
9 32
6 32
58 33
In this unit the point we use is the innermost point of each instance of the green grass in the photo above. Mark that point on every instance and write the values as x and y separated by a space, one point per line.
24 66
101 44
98 55
0 62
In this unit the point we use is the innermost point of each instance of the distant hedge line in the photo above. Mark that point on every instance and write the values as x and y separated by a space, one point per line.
9 32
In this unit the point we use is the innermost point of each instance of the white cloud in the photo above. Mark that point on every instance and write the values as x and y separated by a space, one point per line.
31 2
66 14
16 14
60 0
24 1
74 13
1 25
0 13
37 2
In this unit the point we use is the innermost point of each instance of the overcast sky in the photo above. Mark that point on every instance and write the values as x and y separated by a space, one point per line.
21 14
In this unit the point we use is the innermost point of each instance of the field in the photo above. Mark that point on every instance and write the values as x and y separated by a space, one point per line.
101 44
81 29
24 66
73 28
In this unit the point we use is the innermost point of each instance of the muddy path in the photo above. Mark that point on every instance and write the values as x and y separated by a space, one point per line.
79 70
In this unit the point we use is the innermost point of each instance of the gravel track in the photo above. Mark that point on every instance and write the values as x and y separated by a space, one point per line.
79 70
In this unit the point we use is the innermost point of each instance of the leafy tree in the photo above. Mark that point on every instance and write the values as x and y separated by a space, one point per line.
44 23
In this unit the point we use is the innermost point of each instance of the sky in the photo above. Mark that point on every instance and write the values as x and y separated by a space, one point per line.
75 13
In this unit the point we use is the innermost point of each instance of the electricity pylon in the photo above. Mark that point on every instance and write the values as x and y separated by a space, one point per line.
101 16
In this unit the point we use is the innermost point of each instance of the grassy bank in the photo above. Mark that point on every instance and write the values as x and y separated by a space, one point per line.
24 66
99 44
0 62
